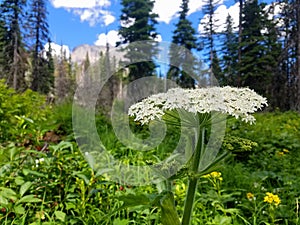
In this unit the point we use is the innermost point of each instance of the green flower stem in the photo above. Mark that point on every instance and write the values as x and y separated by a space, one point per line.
193 180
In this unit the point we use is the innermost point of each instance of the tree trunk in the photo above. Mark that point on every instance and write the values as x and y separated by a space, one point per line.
15 62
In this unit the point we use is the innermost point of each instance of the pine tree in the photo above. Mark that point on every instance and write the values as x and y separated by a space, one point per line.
216 68
38 36
230 55
210 27
50 68
62 80
182 63
253 62
138 24
14 57
3 32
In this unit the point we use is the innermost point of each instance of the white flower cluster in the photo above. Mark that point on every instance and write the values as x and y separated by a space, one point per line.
237 102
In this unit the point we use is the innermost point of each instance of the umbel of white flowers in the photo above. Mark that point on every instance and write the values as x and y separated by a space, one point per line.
237 102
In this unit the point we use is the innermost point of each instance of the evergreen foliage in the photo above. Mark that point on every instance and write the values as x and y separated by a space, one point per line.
38 36
14 55
230 55
182 63
138 29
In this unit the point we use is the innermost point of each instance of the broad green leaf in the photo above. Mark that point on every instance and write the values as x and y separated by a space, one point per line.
169 214
19 209
3 201
70 205
19 180
131 200
60 215
25 187
28 199
8 193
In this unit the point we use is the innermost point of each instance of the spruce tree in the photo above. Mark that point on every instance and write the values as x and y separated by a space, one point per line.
38 35
253 61
3 32
138 24
230 55
182 63
14 57
209 28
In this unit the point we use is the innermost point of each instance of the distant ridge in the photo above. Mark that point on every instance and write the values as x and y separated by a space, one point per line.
78 54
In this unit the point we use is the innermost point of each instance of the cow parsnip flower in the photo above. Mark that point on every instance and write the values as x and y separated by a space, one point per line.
237 102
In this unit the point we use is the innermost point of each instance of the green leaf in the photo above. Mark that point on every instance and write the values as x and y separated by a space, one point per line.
8 193
25 188
28 199
27 171
19 209
169 214
3 201
19 180
60 215
70 205
132 200
120 222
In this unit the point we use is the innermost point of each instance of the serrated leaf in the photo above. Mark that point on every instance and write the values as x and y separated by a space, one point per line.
25 187
19 209
60 215
28 199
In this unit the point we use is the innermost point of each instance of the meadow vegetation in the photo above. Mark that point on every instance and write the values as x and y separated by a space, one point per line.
45 179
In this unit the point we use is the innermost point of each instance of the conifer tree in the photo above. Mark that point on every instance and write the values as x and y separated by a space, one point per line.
3 32
14 57
260 49
209 28
253 60
37 36
138 24
183 36
230 55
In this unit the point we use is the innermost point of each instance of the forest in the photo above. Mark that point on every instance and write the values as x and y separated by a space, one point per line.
227 151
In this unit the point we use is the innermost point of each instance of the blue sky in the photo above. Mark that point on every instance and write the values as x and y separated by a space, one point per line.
76 22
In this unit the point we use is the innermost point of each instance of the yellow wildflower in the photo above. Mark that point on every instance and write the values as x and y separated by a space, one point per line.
271 198
214 175
285 150
250 196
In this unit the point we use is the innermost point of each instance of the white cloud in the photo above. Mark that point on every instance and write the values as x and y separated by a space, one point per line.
220 16
58 50
91 11
94 16
111 37
158 38
127 23
80 3
168 11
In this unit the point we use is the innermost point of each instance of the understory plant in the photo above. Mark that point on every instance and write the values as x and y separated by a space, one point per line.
202 114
